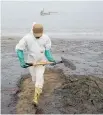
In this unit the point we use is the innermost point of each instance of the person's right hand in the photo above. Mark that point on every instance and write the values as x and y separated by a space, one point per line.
20 55
24 65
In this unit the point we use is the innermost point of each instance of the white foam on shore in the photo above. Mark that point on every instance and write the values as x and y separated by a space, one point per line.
62 35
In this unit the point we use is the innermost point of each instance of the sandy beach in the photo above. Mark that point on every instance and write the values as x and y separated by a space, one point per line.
76 31
87 55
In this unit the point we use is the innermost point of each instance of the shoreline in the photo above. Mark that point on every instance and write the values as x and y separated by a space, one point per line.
63 35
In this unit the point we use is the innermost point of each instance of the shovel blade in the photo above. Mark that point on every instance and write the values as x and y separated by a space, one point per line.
68 63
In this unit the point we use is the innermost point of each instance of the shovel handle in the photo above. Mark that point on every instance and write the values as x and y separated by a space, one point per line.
46 63
40 63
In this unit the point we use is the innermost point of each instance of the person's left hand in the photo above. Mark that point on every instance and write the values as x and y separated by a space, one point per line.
54 62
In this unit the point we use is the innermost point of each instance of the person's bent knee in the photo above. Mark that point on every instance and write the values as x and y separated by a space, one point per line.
39 82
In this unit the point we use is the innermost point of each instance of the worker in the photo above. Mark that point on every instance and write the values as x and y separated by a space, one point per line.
38 46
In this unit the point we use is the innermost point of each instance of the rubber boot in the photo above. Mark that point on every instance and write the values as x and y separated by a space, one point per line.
37 93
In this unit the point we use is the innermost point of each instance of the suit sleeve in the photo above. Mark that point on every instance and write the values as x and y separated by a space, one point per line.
48 44
21 45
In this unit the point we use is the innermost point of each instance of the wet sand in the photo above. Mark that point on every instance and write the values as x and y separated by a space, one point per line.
53 80
87 55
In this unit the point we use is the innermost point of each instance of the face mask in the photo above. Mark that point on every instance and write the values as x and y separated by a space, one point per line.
37 37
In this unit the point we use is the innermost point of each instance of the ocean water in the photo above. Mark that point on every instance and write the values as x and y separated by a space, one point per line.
73 19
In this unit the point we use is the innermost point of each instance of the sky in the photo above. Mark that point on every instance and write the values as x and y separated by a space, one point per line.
71 16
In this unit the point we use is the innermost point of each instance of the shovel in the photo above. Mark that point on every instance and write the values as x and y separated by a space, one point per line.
66 62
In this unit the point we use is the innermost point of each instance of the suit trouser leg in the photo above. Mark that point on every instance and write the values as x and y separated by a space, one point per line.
37 74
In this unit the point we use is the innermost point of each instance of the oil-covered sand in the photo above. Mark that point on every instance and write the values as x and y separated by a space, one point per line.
66 91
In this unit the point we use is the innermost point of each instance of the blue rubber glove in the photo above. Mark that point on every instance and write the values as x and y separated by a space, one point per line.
20 55
49 56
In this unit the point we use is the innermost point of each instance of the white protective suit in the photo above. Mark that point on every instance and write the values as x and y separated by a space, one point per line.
36 52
